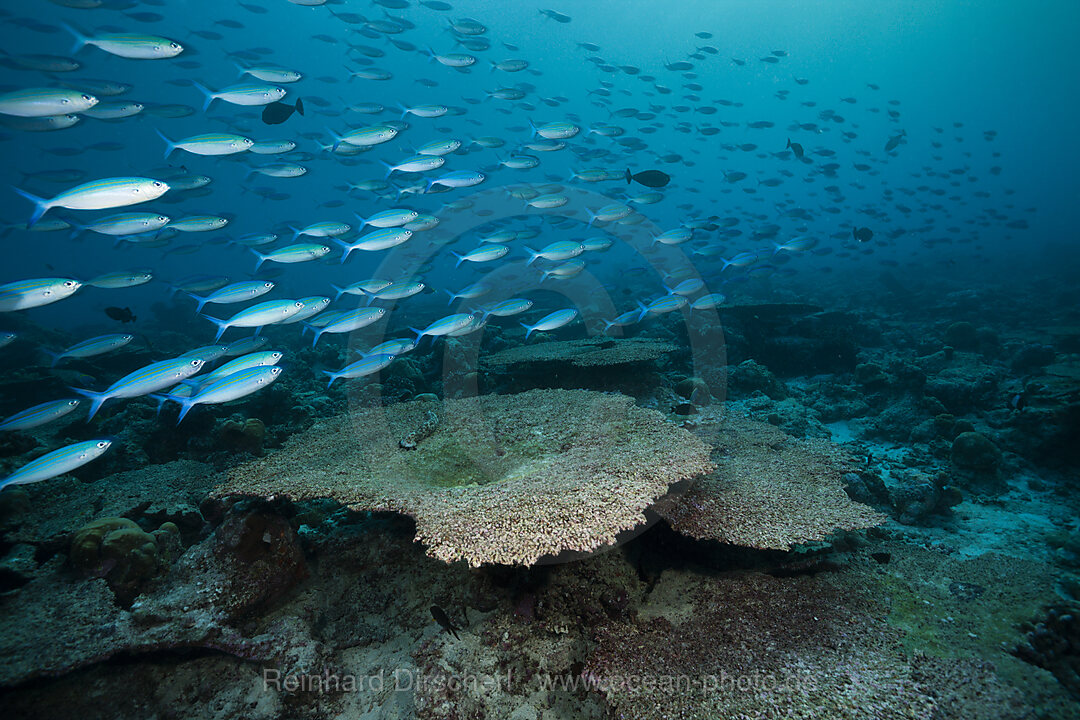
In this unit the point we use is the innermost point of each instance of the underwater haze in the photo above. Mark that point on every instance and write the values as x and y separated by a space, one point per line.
473 359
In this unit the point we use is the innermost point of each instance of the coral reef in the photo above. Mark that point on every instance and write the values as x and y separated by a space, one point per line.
502 479
1053 643
170 492
252 560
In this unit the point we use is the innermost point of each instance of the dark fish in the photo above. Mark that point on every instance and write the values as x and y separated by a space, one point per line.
1018 402
881 558
894 141
684 408
556 16
796 148
649 178
279 112
862 234
120 314
441 618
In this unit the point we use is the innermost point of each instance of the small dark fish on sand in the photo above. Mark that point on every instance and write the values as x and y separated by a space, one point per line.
440 617
881 558
649 178
120 314
862 234
279 112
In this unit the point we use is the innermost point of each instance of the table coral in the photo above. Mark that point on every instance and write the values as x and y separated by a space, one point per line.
504 479
769 491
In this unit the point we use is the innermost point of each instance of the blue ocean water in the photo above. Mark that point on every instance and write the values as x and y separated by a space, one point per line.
851 221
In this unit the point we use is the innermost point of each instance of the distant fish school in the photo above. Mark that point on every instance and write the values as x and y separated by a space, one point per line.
396 138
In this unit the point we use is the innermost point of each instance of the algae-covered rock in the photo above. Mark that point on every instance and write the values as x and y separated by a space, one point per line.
871 376
962 336
118 550
974 451
977 462
749 376
248 435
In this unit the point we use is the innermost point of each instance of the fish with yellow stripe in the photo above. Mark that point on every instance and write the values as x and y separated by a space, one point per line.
144 381
225 389
57 462
98 195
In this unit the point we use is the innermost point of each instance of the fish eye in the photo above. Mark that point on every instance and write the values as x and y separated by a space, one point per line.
64 101
103 444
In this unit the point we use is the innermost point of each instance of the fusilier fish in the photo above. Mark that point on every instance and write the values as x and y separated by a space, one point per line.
144 381
387 218
120 279
298 253
24 294
257 316
57 462
99 195
506 308
245 345
551 321
391 347
484 253
381 239
125 224
560 250
244 362
207 353
366 366
248 95
313 305
39 414
234 293
45 102
444 326
127 45
397 291
225 389
210 144
348 322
